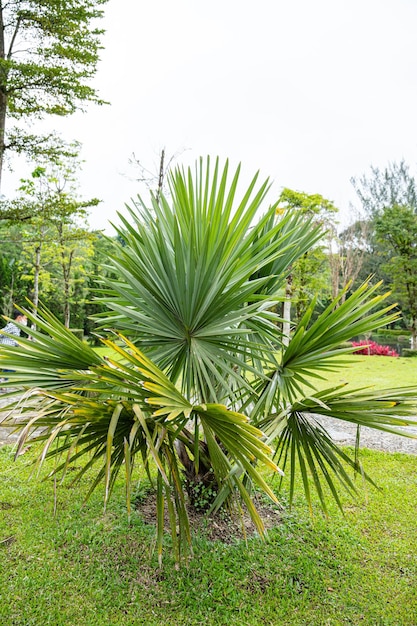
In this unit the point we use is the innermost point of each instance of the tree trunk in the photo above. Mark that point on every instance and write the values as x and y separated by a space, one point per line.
4 80
66 271
36 280
9 299
67 310
286 313
414 334
201 485
3 94
66 264
334 263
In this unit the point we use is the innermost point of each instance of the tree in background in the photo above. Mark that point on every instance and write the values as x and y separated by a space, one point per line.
74 246
99 274
309 275
389 202
381 188
347 254
57 241
154 179
48 55
13 287
396 231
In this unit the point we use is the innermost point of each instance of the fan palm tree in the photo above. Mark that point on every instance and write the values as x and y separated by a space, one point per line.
199 383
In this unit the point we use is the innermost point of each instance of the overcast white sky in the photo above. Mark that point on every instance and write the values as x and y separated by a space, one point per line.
310 93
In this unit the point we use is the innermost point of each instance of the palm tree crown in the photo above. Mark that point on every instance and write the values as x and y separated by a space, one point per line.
199 382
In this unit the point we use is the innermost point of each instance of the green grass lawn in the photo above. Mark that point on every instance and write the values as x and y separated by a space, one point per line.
83 567
378 371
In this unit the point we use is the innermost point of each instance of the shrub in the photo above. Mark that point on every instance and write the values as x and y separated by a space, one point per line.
373 348
78 332
388 332
409 352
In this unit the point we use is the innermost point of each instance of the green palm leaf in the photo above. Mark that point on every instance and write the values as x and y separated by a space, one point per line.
197 379
197 274
134 408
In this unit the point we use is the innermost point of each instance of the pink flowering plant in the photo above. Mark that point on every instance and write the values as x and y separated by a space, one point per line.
373 348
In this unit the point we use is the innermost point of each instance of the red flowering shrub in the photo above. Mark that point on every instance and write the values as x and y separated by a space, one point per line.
373 348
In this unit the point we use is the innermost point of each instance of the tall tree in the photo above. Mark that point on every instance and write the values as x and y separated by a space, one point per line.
13 286
309 274
48 54
347 256
389 202
154 179
396 230
381 188
58 223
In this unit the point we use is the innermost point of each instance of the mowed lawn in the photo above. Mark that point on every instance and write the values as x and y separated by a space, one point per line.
65 564
357 370
380 372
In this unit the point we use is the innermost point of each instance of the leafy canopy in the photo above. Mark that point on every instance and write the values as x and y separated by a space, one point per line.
49 51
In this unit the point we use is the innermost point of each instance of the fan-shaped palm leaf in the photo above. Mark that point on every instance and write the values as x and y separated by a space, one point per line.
196 349
113 409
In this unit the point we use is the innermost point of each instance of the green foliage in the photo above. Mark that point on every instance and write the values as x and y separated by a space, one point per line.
55 243
13 286
196 377
407 352
309 204
202 496
310 278
382 188
310 274
396 230
394 332
389 199
98 270
48 55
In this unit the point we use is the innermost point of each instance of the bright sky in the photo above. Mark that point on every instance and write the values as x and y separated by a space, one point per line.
310 93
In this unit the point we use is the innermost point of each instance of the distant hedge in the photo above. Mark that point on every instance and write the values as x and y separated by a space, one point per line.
409 352
386 332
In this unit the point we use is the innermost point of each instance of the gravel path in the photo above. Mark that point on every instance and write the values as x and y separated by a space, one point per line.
345 434
6 434
342 432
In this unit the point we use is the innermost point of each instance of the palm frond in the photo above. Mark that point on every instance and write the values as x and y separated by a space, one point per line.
303 443
306 447
197 376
